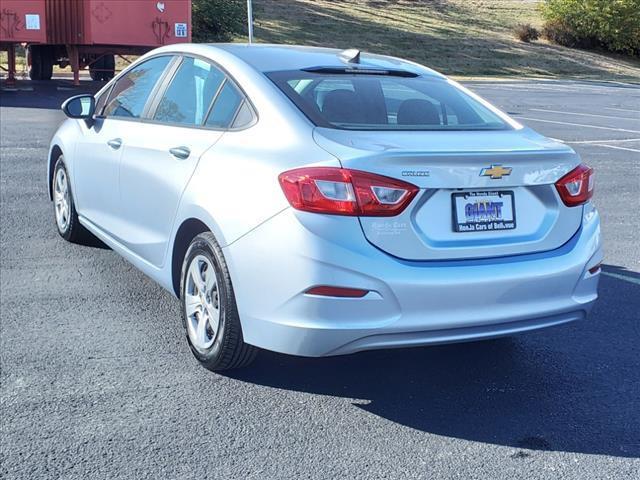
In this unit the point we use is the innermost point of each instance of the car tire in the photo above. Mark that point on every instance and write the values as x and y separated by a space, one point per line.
64 210
209 311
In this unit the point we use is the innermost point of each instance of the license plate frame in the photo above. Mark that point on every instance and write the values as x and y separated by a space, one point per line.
490 224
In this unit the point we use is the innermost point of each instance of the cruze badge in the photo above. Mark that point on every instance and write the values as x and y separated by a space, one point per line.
495 172
415 173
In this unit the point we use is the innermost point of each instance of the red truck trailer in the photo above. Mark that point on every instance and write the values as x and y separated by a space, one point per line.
89 33
21 21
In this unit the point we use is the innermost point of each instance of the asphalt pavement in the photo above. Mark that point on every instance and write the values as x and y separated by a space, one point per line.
97 380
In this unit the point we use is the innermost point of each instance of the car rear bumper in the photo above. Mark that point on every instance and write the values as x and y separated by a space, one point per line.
409 303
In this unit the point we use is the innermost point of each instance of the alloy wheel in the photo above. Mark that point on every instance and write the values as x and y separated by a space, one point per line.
202 303
62 200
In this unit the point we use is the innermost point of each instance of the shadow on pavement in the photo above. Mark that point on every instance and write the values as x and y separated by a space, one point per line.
574 388
43 94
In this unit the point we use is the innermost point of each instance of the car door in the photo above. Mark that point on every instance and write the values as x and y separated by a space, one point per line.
160 155
99 149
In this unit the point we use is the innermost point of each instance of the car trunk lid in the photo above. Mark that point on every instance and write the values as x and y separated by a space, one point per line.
482 194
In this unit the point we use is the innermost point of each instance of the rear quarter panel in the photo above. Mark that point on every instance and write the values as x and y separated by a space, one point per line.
235 187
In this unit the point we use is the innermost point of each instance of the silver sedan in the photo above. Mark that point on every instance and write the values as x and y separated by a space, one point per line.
321 202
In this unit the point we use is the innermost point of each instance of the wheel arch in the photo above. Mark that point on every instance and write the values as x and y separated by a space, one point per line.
187 231
54 154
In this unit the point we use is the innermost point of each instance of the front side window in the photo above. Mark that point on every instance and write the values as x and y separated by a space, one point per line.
129 95
101 101
375 101
187 99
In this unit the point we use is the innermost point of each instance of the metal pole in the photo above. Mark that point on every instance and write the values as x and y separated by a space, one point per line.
250 19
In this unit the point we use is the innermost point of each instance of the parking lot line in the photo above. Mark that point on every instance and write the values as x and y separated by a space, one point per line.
579 125
583 114
621 109
615 140
617 148
621 277
593 89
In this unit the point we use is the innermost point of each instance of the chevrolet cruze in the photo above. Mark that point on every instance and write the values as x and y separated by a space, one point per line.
321 202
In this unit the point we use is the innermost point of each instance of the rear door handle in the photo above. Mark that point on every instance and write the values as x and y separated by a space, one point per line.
180 152
115 143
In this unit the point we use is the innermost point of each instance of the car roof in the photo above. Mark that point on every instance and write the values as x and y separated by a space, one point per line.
271 58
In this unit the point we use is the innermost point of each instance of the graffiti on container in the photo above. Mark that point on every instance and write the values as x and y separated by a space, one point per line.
10 23
161 30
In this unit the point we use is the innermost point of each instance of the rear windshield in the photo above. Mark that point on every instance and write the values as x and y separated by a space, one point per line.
384 102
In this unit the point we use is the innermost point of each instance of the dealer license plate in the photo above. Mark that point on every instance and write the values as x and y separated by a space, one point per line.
483 211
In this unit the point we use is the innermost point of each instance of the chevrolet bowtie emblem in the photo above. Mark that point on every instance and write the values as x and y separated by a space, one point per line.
495 172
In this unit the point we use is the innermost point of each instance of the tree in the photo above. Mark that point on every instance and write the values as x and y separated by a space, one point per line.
218 20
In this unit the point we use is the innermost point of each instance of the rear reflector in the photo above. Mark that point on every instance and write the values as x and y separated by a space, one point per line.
576 187
327 291
341 191
595 269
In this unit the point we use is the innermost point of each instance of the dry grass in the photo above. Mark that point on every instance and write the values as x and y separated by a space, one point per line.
457 37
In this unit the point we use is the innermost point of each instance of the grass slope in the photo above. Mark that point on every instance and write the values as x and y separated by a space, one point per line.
464 38
456 37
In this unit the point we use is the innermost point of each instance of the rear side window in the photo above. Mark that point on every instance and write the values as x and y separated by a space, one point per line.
130 93
187 99
368 101
225 107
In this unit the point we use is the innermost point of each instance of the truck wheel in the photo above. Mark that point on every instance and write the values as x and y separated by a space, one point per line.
35 65
109 66
40 62
46 62
103 69
95 69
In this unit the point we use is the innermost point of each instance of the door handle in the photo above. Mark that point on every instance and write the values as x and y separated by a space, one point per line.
115 143
180 152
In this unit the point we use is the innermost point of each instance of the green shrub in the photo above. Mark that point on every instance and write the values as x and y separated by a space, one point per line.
525 32
218 20
612 24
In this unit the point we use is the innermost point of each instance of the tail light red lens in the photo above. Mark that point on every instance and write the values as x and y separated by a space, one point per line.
576 187
341 191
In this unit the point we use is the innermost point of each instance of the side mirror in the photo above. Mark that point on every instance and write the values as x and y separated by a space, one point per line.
81 107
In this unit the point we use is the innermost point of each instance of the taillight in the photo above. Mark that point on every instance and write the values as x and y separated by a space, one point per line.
340 191
576 187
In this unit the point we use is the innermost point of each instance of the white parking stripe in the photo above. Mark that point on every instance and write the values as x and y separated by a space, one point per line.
604 89
617 148
621 277
619 140
622 109
578 125
584 114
